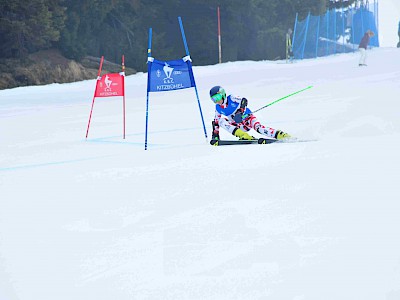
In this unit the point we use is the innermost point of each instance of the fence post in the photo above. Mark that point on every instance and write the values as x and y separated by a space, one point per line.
352 28
334 30
377 19
344 48
305 35
327 32
317 43
362 21
294 33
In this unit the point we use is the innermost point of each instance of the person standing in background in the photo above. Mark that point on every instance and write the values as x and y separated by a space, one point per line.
289 48
362 47
398 32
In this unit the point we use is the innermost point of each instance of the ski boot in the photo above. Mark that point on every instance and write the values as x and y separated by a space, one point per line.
280 135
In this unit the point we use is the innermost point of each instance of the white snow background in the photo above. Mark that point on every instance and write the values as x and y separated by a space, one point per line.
104 219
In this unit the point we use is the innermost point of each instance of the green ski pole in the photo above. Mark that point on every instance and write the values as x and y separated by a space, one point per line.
280 99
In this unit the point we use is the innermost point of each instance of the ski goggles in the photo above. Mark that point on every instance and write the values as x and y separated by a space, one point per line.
217 97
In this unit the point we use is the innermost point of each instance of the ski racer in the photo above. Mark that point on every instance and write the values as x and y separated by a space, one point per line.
232 114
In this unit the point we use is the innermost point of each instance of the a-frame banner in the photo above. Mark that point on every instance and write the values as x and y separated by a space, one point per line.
170 75
109 85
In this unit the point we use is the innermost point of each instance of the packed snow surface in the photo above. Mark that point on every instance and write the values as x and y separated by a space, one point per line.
101 218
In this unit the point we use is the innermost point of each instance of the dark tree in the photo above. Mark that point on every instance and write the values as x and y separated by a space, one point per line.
29 26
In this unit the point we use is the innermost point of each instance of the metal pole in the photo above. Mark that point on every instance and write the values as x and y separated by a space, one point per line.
334 30
305 35
344 49
317 43
327 32
94 96
219 36
294 34
123 88
352 28
148 87
280 99
195 87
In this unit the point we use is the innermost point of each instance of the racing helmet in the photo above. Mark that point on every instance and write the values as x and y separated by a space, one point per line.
217 93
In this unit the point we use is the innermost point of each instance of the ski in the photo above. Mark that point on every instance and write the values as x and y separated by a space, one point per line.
260 141
242 142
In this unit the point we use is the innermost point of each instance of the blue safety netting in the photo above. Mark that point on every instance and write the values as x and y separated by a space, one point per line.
338 31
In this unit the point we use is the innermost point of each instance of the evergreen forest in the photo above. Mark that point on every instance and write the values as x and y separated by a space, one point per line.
250 29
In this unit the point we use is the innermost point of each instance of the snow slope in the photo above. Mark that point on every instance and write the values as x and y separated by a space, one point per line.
389 18
103 219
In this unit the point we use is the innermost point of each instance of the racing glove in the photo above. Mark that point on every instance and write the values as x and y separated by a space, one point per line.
238 117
